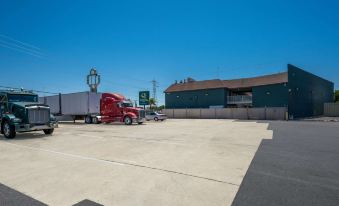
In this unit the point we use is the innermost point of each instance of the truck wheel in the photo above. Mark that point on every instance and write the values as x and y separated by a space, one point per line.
140 122
156 119
48 131
88 120
9 130
128 120
95 120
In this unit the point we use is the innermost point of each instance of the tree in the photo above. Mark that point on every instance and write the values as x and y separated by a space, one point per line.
161 107
152 102
336 96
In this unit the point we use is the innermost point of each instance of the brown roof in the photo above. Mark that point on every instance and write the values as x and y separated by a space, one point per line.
230 84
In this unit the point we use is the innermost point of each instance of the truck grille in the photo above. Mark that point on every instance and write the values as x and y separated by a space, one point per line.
38 115
142 113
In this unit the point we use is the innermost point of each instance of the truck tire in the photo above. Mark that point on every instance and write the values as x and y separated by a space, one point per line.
88 120
95 120
48 131
9 130
128 120
140 122
156 119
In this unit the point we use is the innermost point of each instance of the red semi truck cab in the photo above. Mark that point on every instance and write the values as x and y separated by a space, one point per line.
115 107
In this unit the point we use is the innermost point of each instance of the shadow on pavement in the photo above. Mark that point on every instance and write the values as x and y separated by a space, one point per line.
27 135
10 197
299 166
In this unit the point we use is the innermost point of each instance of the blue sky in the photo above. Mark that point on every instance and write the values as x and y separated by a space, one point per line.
51 45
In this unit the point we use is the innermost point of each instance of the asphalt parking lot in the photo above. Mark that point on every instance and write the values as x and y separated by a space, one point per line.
299 166
176 162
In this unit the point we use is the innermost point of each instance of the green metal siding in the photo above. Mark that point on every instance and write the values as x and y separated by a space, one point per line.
275 95
307 93
196 99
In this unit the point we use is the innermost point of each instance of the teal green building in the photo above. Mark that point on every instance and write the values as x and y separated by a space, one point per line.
303 93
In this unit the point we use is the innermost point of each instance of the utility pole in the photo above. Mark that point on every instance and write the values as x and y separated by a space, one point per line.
155 85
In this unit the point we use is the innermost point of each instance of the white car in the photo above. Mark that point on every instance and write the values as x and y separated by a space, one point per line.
156 116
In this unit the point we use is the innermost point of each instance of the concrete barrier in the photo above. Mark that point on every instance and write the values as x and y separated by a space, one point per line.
239 113
331 109
257 113
180 113
194 113
269 113
276 113
208 114
225 113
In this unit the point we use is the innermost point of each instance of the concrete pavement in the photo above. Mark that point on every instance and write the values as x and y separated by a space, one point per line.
177 162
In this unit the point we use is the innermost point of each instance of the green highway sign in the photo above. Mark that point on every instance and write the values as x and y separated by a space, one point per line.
144 98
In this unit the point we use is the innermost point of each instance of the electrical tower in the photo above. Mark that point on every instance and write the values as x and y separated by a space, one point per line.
155 85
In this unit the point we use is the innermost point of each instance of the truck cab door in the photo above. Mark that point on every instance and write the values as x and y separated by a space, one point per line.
106 107
118 109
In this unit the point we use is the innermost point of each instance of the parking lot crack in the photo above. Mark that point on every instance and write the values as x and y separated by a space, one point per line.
172 171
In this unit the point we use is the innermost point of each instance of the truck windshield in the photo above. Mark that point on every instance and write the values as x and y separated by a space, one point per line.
22 98
127 104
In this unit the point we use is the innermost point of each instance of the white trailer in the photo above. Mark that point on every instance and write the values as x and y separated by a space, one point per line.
77 105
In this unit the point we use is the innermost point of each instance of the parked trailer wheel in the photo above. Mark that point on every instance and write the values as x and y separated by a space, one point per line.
8 130
88 120
48 131
128 120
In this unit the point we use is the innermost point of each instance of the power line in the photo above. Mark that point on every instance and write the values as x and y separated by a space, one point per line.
20 42
27 49
38 91
20 50
19 46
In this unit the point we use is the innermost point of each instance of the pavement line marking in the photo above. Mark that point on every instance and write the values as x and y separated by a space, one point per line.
122 163
129 139
295 180
62 153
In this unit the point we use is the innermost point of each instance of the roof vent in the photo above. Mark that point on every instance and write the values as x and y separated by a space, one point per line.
190 79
